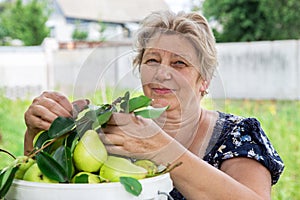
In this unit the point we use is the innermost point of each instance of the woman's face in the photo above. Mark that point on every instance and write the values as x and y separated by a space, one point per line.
169 72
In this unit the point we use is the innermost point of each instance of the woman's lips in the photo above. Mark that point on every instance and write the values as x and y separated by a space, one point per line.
162 90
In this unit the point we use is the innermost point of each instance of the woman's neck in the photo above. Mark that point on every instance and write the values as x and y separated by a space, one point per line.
182 126
205 130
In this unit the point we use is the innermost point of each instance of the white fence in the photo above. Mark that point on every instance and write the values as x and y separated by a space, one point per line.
254 70
261 70
23 71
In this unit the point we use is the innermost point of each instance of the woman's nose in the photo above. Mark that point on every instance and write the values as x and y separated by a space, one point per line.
163 73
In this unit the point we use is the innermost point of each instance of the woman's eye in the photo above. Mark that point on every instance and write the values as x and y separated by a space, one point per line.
152 62
179 64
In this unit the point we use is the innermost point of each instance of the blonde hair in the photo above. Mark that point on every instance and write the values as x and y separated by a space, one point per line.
192 26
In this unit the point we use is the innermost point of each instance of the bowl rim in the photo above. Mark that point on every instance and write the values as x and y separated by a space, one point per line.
144 181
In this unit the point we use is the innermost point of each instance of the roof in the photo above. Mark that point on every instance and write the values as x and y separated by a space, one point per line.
117 11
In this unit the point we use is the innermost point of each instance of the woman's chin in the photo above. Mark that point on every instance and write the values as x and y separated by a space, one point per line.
159 103
172 106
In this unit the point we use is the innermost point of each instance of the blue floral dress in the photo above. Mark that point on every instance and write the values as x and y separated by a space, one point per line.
235 136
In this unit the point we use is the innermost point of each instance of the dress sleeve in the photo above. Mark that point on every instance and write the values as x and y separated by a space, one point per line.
247 139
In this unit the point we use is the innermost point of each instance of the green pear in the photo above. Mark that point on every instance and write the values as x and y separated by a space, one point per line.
86 177
89 153
24 163
148 165
36 137
115 167
34 174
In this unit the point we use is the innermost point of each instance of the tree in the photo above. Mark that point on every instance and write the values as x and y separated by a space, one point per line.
79 34
26 22
283 18
253 20
102 28
3 29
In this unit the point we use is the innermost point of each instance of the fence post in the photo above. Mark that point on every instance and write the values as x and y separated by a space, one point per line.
50 45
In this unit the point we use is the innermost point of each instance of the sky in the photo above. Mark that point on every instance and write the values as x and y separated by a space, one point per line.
178 5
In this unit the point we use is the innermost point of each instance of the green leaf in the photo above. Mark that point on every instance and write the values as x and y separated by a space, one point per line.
125 104
139 102
132 185
42 139
102 109
83 127
151 112
60 126
83 178
103 118
91 115
6 178
103 115
63 156
51 168
89 120
71 140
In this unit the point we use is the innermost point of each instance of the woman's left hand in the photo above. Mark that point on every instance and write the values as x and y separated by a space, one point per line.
133 136
137 137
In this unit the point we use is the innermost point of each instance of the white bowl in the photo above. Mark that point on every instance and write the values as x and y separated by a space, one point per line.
24 190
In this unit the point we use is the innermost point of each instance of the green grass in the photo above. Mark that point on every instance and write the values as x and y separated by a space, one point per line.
281 122
279 119
12 127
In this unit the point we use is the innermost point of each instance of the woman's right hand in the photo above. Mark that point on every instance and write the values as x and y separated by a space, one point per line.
44 110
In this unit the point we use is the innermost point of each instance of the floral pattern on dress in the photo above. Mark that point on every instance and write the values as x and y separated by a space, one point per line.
241 137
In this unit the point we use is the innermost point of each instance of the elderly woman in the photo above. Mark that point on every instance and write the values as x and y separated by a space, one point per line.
223 156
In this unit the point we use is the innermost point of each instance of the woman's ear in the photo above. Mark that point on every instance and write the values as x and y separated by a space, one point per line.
204 87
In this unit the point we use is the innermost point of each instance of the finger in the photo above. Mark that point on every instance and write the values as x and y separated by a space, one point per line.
59 99
79 105
37 123
117 150
54 107
117 130
43 113
110 129
38 117
112 139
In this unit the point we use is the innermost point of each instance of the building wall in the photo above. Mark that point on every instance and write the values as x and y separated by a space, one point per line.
254 70
23 71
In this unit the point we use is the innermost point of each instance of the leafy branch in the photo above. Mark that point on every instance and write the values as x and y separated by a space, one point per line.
53 148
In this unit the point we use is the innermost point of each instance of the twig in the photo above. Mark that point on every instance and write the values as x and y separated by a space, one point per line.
171 167
45 146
